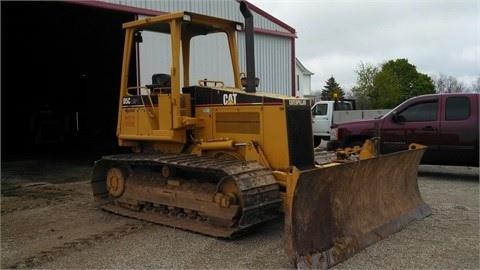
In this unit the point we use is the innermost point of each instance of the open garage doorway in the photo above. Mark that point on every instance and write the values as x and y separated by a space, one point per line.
60 76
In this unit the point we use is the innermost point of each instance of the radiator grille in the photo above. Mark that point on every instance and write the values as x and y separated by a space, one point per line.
300 138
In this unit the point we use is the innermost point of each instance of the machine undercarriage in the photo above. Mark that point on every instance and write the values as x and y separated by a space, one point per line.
216 197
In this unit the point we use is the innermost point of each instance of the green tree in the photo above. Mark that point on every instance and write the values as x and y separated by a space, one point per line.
364 86
397 81
386 93
331 88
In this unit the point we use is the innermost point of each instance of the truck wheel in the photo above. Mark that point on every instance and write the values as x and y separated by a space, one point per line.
333 145
316 141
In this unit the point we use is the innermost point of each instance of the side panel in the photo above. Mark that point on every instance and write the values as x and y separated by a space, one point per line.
240 124
345 116
275 137
138 115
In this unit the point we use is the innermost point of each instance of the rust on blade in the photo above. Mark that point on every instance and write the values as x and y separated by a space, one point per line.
339 210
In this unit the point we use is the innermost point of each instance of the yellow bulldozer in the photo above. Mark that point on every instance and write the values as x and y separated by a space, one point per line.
223 160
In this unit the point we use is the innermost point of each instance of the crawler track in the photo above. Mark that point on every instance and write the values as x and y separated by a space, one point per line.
149 196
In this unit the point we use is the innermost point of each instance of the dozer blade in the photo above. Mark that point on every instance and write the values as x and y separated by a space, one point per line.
339 210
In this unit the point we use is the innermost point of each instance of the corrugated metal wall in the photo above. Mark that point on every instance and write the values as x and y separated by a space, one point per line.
273 59
227 9
272 62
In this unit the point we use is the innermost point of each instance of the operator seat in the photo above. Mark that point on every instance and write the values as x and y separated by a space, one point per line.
160 83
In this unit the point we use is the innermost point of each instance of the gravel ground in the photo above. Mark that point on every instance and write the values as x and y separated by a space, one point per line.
49 221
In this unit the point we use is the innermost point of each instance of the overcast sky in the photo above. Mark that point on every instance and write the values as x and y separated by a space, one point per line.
334 37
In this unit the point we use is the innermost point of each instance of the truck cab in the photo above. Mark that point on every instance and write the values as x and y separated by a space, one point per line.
322 117
446 123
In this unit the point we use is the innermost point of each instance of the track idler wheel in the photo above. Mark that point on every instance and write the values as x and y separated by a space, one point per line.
228 193
167 171
116 178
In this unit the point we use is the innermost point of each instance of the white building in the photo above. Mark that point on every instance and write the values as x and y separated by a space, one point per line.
303 80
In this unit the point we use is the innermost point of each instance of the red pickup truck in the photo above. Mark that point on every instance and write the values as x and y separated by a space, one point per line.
447 123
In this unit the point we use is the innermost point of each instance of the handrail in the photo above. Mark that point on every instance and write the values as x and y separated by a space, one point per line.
205 82
151 111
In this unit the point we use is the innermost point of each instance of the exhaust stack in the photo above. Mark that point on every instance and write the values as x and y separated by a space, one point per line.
249 47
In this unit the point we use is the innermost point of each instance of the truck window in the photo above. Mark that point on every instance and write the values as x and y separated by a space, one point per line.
420 112
320 109
343 106
457 108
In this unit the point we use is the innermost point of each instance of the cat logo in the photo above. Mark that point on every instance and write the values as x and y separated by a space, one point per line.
229 99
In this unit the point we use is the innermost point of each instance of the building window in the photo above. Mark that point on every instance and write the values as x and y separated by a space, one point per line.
298 82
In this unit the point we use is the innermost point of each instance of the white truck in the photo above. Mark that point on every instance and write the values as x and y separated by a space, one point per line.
326 113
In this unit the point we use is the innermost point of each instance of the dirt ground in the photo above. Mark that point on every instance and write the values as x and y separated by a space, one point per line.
49 221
